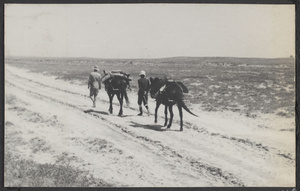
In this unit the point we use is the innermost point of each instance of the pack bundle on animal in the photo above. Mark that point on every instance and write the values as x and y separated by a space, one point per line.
169 93
116 82
108 75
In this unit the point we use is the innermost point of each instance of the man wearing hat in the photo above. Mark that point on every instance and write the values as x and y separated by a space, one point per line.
144 86
94 84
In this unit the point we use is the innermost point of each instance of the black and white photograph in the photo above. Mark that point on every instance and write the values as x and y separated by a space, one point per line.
149 95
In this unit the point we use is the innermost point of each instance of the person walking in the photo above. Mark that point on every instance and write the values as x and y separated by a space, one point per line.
144 86
94 84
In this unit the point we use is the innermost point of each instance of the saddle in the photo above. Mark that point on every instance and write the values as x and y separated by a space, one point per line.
162 90
108 83
168 83
106 79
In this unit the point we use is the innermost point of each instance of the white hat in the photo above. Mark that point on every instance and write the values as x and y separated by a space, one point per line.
142 73
96 68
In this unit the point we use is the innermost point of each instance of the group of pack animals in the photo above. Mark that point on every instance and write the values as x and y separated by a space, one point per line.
165 92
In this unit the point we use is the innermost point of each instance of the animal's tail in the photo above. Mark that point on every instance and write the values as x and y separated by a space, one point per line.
181 103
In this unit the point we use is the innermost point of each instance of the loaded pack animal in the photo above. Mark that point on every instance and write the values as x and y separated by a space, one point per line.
169 93
117 85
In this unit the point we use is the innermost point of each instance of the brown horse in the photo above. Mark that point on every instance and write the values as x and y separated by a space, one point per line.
169 93
117 86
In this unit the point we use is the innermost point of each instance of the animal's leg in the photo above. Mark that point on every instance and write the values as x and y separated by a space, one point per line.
171 116
145 102
166 115
94 102
147 107
92 99
110 103
141 110
180 115
120 98
156 108
126 98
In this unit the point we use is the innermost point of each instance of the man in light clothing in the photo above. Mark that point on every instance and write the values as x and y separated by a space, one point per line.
94 84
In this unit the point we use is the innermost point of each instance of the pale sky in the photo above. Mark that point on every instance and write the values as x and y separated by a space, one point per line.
149 30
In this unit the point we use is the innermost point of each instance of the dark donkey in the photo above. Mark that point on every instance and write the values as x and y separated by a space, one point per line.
117 86
171 94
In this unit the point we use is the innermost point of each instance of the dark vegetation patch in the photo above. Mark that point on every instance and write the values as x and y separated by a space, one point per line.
8 124
287 156
27 173
38 145
244 85
96 145
289 129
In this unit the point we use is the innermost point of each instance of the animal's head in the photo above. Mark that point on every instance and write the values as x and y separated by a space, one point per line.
155 85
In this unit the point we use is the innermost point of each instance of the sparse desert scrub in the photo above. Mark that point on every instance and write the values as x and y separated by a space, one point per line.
243 85
27 173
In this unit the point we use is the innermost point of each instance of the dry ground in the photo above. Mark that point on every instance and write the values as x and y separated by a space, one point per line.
51 126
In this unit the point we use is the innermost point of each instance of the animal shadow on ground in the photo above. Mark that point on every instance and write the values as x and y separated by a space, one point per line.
151 127
126 115
94 111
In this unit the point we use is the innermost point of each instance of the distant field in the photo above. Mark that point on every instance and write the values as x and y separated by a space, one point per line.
244 85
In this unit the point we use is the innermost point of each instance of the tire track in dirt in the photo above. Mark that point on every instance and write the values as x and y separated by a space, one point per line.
246 142
26 114
147 142
188 125
239 140
194 162
21 140
59 89
191 126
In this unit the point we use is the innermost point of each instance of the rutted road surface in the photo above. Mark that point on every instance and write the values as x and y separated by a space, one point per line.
46 118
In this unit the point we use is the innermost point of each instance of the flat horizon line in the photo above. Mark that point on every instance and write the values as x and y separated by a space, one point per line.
156 58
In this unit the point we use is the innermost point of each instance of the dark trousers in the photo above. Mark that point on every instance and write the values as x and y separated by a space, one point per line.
143 98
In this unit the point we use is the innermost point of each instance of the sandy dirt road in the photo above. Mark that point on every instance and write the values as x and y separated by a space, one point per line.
46 117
